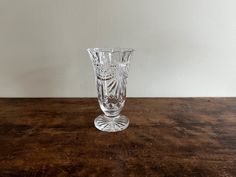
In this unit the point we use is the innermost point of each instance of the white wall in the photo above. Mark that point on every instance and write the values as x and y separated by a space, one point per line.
183 47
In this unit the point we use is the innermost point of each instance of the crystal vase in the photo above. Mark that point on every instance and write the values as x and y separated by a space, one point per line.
111 67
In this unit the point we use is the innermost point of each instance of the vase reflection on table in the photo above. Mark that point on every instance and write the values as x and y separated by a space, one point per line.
111 66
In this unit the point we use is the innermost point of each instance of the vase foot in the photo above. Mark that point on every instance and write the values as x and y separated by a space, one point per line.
108 124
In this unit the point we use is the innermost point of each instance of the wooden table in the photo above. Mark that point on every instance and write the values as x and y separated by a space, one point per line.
166 138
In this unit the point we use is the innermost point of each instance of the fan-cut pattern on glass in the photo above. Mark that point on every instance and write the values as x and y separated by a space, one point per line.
111 70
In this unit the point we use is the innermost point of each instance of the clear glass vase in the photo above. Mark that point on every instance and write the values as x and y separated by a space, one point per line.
111 66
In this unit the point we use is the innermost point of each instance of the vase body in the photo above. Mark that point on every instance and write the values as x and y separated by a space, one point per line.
111 66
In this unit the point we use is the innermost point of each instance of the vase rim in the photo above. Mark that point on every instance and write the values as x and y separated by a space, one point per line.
111 50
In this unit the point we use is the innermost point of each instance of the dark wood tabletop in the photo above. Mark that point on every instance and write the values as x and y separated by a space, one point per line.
188 137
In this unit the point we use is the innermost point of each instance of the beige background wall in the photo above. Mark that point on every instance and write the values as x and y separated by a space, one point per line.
183 47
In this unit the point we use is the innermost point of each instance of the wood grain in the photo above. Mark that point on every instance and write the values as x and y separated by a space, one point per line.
191 137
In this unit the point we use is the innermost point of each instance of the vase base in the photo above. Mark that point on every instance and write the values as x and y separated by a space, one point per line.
108 124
